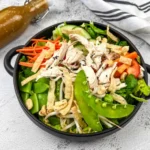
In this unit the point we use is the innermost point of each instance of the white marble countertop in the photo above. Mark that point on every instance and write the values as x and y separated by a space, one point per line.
17 132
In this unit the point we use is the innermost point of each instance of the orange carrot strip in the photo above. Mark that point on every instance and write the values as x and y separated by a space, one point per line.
30 54
26 64
34 58
29 57
40 40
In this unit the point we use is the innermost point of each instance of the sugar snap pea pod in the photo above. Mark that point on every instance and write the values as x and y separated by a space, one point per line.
27 72
26 88
107 109
42 99
24 96
40 87
97 30
108 98
35 107
91 32
43 80
57 90
89 115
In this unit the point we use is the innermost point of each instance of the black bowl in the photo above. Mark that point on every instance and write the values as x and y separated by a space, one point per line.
80 137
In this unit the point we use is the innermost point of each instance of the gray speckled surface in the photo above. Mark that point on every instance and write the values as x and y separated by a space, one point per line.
17 132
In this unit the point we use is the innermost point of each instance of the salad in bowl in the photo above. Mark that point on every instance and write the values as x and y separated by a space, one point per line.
81 80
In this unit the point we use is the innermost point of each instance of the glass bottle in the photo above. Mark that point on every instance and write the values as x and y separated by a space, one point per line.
15 19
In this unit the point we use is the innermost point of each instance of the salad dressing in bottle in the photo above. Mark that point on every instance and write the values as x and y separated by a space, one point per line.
15 19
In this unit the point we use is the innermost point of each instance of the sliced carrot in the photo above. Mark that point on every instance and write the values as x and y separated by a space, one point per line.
132 55
32 49
122 68
26 64
29 54
29 57
40 40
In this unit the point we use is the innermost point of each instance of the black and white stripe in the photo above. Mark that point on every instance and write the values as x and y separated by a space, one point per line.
144 7
113 15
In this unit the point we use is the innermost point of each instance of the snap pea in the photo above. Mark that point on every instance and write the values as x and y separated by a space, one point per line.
89 115
97 30
106 109
84 99
40 87
26 88
24 96
42 99
35 108
108 98
43 80
91 32
27 72
57 90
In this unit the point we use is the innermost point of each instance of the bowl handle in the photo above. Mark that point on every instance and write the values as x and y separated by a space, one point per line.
148 68
8 58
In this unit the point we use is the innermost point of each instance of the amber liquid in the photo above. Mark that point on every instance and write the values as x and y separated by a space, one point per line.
14 20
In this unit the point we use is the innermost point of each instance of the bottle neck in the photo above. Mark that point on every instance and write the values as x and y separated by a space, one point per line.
37 7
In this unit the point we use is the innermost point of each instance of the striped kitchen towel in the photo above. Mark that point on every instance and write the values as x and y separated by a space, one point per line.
130 15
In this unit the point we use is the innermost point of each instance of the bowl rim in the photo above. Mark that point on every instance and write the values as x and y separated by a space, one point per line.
48 128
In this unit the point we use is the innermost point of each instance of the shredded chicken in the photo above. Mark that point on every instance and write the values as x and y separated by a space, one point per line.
105 75
50 72
90 76
73 55
88 45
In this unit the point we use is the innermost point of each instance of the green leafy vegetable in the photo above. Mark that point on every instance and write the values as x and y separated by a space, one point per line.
138 59
138 98
27 72
54 120
23 58
41 43
142 88
131 82
123 43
